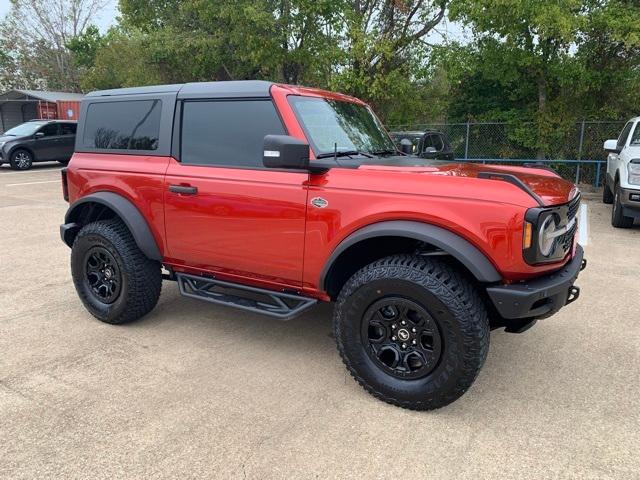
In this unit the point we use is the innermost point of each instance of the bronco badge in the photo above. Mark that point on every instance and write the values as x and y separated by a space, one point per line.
319 202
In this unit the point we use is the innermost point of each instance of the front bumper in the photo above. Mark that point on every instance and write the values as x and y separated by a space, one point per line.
630 200
539 297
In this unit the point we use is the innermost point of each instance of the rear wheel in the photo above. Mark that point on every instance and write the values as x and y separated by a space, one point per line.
618 219
21 159
412 331
116 282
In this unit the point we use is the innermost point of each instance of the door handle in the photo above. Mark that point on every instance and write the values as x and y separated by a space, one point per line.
183 189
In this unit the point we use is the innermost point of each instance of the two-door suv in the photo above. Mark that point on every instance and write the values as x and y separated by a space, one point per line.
270 198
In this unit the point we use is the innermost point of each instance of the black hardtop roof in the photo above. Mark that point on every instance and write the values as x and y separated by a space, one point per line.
233 88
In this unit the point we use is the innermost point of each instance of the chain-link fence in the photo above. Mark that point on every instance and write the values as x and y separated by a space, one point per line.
574 150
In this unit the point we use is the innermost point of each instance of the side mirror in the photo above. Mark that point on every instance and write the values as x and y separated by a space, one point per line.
283 151
611 146
430 150
406 146
39 135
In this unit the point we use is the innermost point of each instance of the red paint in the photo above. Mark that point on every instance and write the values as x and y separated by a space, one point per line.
257 227
68 110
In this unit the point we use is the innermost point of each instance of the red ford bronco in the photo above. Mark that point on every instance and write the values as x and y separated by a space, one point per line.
270 198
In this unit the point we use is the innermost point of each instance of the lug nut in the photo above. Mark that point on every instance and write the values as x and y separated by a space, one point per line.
393 326
393 338
414 342
403 322
413 329
404 345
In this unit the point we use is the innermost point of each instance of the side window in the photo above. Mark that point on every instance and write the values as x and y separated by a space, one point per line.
635 137
68 128
437 142
227 132
622 139
124 125
428 142
49 130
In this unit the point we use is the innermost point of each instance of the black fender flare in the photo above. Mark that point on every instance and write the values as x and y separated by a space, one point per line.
123 208
459 248
18 146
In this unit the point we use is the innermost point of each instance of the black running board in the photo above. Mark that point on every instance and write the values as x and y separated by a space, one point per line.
283 306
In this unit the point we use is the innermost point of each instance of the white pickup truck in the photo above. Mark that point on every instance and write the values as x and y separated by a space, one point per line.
622 180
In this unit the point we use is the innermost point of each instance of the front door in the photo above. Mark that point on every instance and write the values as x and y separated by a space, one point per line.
224 212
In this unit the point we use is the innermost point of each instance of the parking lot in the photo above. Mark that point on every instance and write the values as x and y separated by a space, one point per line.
197 390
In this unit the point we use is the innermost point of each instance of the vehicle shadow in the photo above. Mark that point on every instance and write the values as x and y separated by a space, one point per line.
39 166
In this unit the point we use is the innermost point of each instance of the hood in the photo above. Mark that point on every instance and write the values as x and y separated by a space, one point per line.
9 138
546 184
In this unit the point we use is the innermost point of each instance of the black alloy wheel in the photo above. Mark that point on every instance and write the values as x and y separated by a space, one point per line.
402 337
102 274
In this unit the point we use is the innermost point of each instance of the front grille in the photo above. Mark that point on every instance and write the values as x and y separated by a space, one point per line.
566 240
574 205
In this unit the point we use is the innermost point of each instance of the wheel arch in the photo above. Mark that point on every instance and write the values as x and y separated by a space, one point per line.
110 205
13 149
410 234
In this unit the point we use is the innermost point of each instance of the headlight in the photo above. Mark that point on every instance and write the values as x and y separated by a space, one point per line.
634 171
547 236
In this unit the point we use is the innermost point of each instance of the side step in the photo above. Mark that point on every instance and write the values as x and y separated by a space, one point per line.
283 306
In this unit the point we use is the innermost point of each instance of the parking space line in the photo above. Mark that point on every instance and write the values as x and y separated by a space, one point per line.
31 183
583 231
29 172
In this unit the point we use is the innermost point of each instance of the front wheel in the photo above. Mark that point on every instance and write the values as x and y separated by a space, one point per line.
21 160
412 331
116 282
618 219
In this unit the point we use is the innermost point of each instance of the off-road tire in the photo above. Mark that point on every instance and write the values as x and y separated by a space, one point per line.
15 162
618 219
141 277
607 194
443 291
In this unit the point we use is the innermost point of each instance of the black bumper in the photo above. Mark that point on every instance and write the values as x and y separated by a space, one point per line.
539 297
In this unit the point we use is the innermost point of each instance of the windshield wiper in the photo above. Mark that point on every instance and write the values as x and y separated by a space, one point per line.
344 153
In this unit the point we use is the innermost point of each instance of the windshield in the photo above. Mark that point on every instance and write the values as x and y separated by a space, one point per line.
345 126
24 129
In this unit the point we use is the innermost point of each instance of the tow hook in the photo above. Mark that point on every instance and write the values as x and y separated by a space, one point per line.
573 295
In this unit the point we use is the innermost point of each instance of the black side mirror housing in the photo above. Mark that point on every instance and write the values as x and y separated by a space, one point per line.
284 151
39 135
406 146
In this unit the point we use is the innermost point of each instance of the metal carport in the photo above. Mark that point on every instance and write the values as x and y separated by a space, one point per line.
18 106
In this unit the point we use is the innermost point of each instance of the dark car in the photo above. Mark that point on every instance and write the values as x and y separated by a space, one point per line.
38 141
428 144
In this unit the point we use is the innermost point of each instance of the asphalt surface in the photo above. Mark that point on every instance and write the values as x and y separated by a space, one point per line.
200 391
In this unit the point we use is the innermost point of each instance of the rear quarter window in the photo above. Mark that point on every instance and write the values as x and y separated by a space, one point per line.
123 125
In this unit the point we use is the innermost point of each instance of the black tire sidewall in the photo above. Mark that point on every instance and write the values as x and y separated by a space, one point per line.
442 377
101 310
618 219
